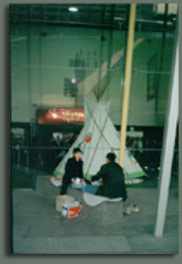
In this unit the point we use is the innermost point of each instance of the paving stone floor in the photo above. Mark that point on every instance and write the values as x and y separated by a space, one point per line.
39 229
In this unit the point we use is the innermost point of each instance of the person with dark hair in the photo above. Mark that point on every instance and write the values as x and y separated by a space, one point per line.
112 177
73 169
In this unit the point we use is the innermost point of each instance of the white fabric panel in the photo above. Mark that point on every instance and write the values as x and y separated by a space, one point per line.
104 139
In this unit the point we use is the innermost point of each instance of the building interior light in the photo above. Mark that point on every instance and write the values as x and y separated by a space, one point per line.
73 80
73 9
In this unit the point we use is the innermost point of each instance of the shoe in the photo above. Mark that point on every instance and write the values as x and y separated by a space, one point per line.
127 211
134 208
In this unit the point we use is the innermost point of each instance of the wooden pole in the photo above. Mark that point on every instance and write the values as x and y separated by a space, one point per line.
126 92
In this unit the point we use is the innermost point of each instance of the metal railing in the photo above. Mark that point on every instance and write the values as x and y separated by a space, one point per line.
48 157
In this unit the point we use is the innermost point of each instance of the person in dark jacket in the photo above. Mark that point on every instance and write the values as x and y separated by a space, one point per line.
73 169
113 179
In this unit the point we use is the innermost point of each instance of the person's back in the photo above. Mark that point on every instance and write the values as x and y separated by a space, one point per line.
113 181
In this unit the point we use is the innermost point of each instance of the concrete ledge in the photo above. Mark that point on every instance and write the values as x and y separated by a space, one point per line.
107 212
45 187
104 213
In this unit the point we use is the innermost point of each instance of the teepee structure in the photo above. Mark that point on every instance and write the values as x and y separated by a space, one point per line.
96 139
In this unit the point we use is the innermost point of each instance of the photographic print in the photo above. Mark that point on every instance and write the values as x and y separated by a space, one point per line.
94 128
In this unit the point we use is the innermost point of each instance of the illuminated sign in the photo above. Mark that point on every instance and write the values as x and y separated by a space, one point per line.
58 116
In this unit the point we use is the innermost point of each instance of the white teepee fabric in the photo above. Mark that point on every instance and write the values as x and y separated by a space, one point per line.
96 139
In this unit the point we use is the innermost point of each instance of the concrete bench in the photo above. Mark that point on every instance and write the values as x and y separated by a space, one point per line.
107 212
103 209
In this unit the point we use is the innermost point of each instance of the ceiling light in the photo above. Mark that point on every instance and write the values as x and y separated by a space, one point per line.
73 80
73 9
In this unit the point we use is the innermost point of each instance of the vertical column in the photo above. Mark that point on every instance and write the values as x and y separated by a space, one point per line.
168 147
126 92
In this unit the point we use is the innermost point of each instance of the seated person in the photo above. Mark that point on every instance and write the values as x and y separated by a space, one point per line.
113 179
73 169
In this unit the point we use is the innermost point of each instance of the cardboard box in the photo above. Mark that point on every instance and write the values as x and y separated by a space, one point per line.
62 200
72 210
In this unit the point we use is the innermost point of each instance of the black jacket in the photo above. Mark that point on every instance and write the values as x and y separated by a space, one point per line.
113 181
73 169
